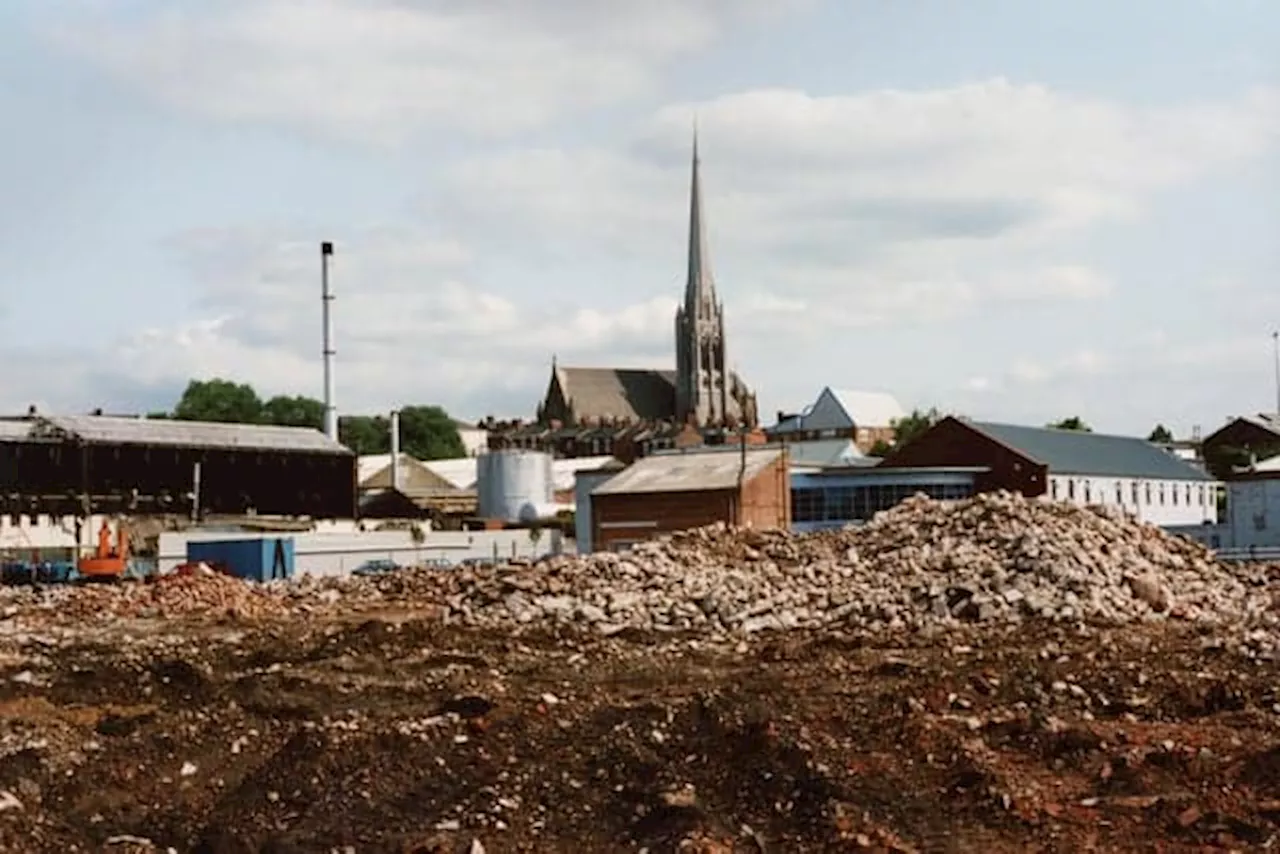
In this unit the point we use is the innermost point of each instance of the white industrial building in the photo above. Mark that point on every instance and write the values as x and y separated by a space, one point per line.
336 553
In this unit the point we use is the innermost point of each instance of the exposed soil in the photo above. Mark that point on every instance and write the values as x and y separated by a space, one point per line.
398 734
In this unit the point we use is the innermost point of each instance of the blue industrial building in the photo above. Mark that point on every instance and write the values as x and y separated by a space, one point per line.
834 497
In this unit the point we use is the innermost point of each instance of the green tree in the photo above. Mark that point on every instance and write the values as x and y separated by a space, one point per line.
428 433
219 400
1072 423
296 411
1160 435
908 427
880 449
366 434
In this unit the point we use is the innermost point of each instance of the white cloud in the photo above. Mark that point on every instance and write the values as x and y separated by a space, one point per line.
861 228
383 70
409 325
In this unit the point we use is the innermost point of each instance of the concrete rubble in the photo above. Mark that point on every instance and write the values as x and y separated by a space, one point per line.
996 558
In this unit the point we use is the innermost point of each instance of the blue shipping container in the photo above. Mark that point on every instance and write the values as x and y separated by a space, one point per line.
264 559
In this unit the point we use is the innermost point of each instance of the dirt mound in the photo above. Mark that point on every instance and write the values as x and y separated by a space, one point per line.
1030 737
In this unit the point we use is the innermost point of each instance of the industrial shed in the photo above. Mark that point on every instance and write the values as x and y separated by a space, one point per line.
1073 466
676 490
52 464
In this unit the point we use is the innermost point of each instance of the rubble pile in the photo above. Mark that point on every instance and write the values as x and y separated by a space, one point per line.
996 557
200 593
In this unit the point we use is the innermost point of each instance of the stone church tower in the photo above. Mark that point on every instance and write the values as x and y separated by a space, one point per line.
703 394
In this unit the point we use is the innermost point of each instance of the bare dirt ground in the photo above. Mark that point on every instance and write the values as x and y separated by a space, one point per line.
391 732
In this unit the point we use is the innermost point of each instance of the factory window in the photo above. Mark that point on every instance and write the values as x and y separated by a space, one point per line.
1071 489
1146 488
1188 495
1088 492
1174 490
1161 494
1053 488
1201 492
1119 492
1134 491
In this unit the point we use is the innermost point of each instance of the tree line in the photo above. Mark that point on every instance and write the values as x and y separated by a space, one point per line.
426 432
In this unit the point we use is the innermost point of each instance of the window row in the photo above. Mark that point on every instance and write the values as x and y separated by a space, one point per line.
1150 492
859 503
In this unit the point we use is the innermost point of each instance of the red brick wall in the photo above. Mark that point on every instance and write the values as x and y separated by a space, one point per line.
668 511
951 442
765 499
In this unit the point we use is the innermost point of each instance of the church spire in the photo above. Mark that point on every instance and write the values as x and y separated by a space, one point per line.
699 288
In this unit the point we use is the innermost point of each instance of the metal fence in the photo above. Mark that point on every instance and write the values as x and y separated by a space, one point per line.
1250 553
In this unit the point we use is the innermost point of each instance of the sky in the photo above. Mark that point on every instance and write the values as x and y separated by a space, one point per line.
1014 211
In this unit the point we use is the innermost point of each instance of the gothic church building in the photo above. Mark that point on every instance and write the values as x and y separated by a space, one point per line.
588 411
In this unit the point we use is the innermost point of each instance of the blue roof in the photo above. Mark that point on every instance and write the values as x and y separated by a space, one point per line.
1079 452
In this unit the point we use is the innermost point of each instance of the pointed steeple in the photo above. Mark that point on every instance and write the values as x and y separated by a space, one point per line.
699 288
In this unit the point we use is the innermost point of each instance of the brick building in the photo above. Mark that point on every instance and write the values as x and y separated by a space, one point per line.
747 486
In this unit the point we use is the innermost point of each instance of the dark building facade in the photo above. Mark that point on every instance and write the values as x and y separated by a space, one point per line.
83 464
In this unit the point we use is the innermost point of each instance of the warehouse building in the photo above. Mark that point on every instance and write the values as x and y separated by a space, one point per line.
1069 465
55 464
680 489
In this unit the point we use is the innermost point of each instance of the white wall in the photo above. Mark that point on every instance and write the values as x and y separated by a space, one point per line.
1160 502
336 553
22 534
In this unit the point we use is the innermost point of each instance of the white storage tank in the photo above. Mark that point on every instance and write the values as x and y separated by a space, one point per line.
514 485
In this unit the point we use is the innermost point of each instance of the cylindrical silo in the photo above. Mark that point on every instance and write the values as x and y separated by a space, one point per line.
514 485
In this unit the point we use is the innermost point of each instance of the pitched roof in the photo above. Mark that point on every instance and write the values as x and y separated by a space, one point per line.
824 452
629 393
689 471
1078 452
869 408
107 429
374 472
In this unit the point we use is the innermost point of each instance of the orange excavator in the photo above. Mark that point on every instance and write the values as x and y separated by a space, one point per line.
108 563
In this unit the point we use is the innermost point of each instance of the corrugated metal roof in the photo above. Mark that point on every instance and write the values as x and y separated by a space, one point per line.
461 471
689 472
14 431
193 434
1078 452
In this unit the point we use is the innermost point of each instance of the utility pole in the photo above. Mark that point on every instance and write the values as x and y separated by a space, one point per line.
1275 346
326 297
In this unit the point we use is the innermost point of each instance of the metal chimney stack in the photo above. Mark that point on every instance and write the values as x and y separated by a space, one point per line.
395 449
326 297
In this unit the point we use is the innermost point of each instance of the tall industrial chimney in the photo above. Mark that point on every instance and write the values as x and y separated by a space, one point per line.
326 298
395 449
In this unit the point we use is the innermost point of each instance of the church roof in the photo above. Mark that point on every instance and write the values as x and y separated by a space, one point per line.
627 393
